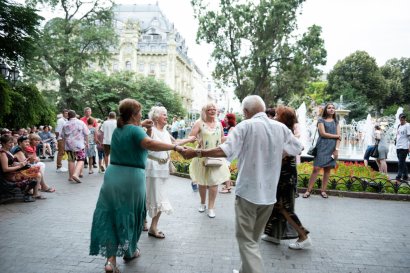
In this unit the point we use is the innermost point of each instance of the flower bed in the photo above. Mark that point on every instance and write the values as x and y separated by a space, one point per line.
347 176
355 177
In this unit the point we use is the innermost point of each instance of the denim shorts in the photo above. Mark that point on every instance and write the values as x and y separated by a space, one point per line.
100 154
369 149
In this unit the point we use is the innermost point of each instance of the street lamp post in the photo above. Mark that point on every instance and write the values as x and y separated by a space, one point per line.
8 73
4 70
14 74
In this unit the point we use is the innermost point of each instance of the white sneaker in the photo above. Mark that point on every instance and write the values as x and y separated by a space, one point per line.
235 271
211 213
61 170
301 245
202 208
271 239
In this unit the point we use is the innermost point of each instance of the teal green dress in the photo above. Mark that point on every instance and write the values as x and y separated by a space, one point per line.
120 211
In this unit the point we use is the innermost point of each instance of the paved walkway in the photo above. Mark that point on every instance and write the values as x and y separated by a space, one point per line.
349 235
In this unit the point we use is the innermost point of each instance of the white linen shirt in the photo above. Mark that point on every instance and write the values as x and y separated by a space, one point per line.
108 128
60 124
259 143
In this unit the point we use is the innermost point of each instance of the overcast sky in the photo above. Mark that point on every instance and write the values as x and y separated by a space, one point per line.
379 27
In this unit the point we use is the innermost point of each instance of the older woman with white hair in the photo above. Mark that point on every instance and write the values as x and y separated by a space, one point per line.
157 170
209 132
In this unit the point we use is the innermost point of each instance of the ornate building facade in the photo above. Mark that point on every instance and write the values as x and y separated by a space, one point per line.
150 45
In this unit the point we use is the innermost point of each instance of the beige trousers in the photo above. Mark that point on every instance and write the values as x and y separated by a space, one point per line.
60 153
250 221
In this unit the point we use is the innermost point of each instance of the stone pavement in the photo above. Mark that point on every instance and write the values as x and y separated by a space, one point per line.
349 234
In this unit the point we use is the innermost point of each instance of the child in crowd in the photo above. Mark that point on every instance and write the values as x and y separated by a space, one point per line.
92 139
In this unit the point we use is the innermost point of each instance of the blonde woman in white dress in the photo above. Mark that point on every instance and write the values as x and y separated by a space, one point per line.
209 132
157 170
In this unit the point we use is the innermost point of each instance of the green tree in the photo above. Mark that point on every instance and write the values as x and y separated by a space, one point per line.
103 92
397 75
5 98
68 45
359 80
18 31
314 94
255 48
28 108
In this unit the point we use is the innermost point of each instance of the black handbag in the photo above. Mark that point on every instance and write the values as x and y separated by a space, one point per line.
375 151
313 149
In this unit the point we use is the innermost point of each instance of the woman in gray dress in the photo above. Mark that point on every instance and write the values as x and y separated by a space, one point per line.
327 148
383 148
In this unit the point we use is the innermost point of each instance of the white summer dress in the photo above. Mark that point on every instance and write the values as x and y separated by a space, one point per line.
157 175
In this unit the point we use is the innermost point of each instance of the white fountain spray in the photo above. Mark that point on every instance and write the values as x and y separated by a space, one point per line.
301 114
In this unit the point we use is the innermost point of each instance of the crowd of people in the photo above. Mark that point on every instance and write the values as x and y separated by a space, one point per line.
134 156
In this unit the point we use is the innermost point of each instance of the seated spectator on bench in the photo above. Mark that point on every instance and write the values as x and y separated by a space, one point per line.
11 171
46 140
31 153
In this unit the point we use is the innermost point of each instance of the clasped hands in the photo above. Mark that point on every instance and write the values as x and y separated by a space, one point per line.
186 152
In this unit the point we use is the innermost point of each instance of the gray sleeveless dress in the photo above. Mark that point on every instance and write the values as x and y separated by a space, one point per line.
326 146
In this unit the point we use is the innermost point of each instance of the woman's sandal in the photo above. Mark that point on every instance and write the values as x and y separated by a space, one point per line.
114 268
49 189
306 194
137 253
158 234
324 194
225 190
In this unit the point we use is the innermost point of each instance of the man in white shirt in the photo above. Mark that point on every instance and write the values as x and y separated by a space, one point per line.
259 145
174 128
60 142
181 128
402 147
108 128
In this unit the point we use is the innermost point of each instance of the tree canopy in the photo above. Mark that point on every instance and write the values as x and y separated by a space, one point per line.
72 43
103 92
18 30
360 81
255 49
27 108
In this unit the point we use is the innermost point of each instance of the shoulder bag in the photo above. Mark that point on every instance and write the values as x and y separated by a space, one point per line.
313 149
213 161
375 151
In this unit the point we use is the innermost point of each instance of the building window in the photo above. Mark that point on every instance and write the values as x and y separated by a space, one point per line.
141 67
152 68
128 65
115 66
163 66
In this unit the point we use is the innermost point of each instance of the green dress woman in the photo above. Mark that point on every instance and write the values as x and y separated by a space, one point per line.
120 211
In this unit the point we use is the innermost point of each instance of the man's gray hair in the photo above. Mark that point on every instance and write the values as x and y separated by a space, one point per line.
156 111
112 115
254 104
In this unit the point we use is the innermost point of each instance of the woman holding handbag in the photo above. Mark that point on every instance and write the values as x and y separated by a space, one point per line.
327 147
209 132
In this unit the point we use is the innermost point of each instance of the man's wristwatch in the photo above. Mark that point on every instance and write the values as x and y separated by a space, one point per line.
175 147
198 152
